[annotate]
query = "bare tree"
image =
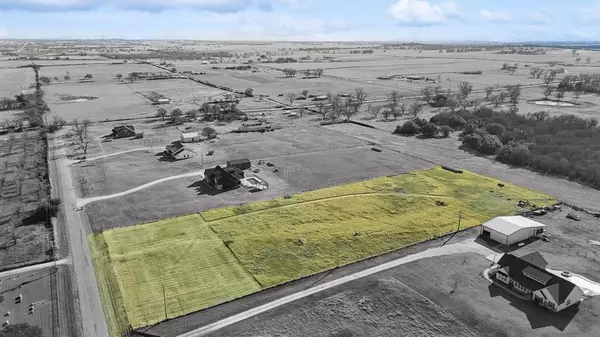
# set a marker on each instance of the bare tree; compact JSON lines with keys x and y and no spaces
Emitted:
{"x":400,"y":111}
{"x":438,"y":90}
{"x":578,"y":59}
{"x":394,"y":96}
{"x":323,"y":109}
{"x":549,"y":77}
{"x":533,"y":71}
{"x":559,"y":94}
{"x":588,"y":60}
{"x":330,"y":97}
{"x":349,"y":109}
{"x":374,"y":110}
{"x":489,"y":90}
{"x":548,"y":91}
{"x":360,"y":94}
{"x":386,"y":114}
{"x":176,"y":116}
{"x":415,"y":108}
{"x":162,"y":113}
{"x":495,"y":100}
{"x":465,"y":89}
{"x":576,"y":92}
{"x":426,"y":92}
{"x":80,"y":130}
{"x":451,"y":103}
{"x":502,"y":96}
{"x":291,"y":97}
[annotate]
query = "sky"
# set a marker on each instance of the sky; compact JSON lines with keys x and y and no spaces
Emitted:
{"x":302,"y":20}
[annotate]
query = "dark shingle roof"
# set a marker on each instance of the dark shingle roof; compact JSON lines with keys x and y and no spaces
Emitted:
{"x":536,"y":259}
{"x":558,"y":287}
{"x":537,"y":274}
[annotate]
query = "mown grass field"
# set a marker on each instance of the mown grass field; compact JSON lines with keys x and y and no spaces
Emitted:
{"x":221,"y":254}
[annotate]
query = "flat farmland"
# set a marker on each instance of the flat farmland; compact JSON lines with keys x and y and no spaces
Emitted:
{"x":322,"y":229}
{"x":14,"y":81}
{"x":100,"y":72}
{"x":180,"y":92}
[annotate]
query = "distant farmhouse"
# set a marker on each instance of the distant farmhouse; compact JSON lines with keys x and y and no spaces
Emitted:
{"x":527,"y":275}
{"x":242,"y":164}
{"x":177,"y":150}
{"x":123,"y":131}
{"x":509,"y":230}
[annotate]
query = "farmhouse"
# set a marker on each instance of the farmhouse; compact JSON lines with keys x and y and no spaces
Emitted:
{"x":163,"y":101}
{"x":223,"y":178}
{"x":190,"y":137}
{"x":242,"y":164}
{"x":511,"y":229}
{"x":528,"y":276}
{"x":123,"y":131}
{"x":177,"y":150}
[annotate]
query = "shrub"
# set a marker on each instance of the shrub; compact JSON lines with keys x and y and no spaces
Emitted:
{"x":472,"y":141}
{"x":408,"y":128}
{"x":442,"y":118}
{"x":490,"y":144}
{"x":457,"y":122}
{"x":495,"y":129}
{"x":445,"y":130}
{"x":420,"y":122}
{"x":515,"y":154}
{"x":470,"y":128}
{"x":430,"y":130}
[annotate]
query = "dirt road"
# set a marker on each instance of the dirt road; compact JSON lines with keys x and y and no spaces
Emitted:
{"x":93,"y":321}
{"x":456,"y":248}
{"x":34,"y":267}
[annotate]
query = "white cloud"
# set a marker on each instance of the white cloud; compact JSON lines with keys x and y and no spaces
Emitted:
{"x":422,"y":12}
{"x":143,"y":5}
{"x":591,"y":14}
{"x":3,"y":33}
{"x":494,"y":16}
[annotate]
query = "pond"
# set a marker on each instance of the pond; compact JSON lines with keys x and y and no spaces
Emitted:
{"x":553,"y":103}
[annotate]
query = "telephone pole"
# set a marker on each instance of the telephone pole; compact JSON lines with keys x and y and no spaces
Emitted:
{"x":459,"y":218}
{"x":165,"y":301}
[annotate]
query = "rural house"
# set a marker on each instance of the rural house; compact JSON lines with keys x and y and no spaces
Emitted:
{"x":190,"y":137}
{"x":123,"y":131}
{"x":509,"y":230}
{"x":223,"y":178}
{"x":242,"y":164}
{"x":528,"y":276}
{"x":177,"y":150}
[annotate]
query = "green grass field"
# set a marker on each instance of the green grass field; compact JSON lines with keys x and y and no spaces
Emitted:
{"x":221,"y":254}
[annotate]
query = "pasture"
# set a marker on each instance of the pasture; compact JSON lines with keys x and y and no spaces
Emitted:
{"x":282,"y":239}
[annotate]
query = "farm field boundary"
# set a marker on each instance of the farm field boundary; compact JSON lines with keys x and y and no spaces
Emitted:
{"x":222,"y":254}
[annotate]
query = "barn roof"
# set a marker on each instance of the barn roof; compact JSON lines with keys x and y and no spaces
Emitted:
{"x":508,"y":225}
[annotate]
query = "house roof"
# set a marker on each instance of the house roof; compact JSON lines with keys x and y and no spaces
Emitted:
{"x":123,"y":127}
{"x":189,"y":134}
{"x":238,"y":161}
{"x":174,"y":146}
{"x":508,"y":225}
{"x":536,"y":259}
{"x":516,"y":267}
{"x":231,"y":174}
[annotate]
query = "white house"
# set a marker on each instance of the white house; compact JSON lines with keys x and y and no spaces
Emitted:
{"x":190,"y":137}
{"x":163,"y":101}
{"x":177,"y":151}
{"x":509,"y":230}
{"x":527,"y":275}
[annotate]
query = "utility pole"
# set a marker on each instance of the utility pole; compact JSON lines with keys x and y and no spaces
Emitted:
{"x":459,"y":218}
{"x":165,"y":301}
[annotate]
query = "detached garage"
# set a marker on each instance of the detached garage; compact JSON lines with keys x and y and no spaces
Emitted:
{"x":509,"y":230}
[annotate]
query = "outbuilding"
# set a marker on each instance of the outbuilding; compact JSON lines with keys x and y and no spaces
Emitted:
{"x":242,"y":164}
{"x":509,"y":230}
{"x":190,"y":137}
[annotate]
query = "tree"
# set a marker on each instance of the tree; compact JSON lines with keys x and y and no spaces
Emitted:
{"x":578,"y":59}
{"x":394,"y":96}
{"x":548,"y":91}
{"x":490,"y":144}
{"x":88,"y":76}
{"x":119,"y":77}
{"x":495,"y":129}
{"x":173,"y":70}
{"x":374,"y":110}
{"x":56,"y":124}
{"x":430,"y":130}
{"x":176,"y":116}
{"x":323,"y":109}
{"x":248,"y":92}
{"x":415,"y":108}
{"x":502,"y":96}
{"x":192,"y":114}
{"x":21,"y":330}
{"x":465,"y":89}
{"x":45,"y":80}
{"x":80,"y":130}
{"x":559,"y":94}
{"x":514,"y":93}
{"x":132,"y":77}
{"x":549,"y":78}
{"x":304,"y":92}
{"x":319,"y":72}
{"x":399,"y":111}
{"x":489,"y":90}
{"x":576,"y":92}
{"x":451,"y":103}
{"x":533,"y":71}
{"x":588,"y":60}
{"x":360,"y":95}
{"x":408,"y":128}
{"x":472,"y":140}
{"x":427,"y":92}
{"x":349,"y":109}
{"x":438,"y":90}
{"x":291,"y":97}
{"x":386,"y":114}
{"x":209,"y":132}
{"x":445,"y":131}
{"x":162,"y":113}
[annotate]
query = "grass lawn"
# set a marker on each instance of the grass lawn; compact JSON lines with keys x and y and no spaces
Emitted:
{"x":283,"y":239}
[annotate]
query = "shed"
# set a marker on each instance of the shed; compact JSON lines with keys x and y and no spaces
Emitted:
{"x":509,"y":230}
{"x":190,"y":137}
{"x":163,"y":101}
{"x":242,"y":164}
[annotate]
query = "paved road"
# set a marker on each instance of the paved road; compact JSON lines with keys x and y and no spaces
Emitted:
{"x":456,"y":248}
{"x":84,"y":201}
{"x":34,"y":267}
{"x":93,"y":320}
